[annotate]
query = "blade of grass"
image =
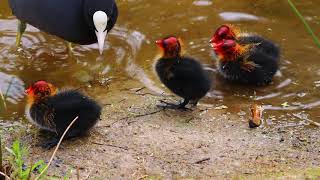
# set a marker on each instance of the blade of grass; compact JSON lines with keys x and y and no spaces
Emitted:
{"x":2,"y":101}
{"x":1,"y":167}
{"x":9,"y":86}
{"x":295,"y":10}
{"x":3,"y":176}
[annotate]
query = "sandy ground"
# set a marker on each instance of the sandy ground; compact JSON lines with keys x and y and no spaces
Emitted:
{"x":137,"y":140}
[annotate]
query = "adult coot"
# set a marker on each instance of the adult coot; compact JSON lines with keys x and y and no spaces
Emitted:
{"x":77,"y":21}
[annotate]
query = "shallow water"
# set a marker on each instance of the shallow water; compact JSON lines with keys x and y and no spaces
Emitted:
{"x":130,"y":53}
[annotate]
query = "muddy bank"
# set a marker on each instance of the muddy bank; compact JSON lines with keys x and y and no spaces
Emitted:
{"x":135,"y":139}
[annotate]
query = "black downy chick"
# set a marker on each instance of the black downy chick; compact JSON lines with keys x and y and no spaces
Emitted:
{"x":54,"y":111}
{"x":184,"y":76}
{"x":248,"y":59}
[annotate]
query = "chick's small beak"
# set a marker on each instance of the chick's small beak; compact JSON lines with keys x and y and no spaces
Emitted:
{"x":159,"y":43}
{"x":27,"y":91}
{"x":213,"y":44}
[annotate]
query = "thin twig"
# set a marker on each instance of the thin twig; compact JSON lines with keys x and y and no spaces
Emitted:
{"x":143,"y":177}
{"x":120,"y":147}
{"x":147,"y":93}
{"x":202,"y":160}
{"x":102,"y":144}
{"x":58,"y":145}
{"x":3,"y":174}
{"x":141,"y":115}
{"x":139,"y":89}
{"x":313,"y":122}
{"x":1,"y":167}
{"x":78,"y":173}
{"x":122,"y":100}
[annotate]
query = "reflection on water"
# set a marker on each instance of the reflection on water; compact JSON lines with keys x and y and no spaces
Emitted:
{"x":238,"y":16}
{"x":11,"y":87}
{"x":130,"y":52}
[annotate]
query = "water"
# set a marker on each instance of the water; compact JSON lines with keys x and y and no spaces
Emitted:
{"x":130,"y":52}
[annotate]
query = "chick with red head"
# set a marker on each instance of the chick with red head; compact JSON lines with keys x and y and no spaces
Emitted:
{"x":245,"y":58}
{"x":53,"y":111}
{"x":183,"y":75}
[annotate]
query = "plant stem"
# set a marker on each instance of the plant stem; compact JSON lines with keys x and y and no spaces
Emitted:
{"x":7,"y":91}
{"x":295,"y":10}
{"x":1,"y":167}
{"x":2,"y":101}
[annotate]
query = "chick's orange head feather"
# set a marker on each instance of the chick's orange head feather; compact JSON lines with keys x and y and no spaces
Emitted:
{"x":39,"y":90}
{"x":170,"y":46}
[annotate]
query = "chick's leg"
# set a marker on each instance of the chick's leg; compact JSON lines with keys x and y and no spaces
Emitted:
{"x":181,"y":106}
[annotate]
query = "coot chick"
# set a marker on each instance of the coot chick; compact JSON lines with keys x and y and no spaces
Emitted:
{"x":245,"y":58}
{"x":53,"y":111}
{"x":77,"y":21}
{"x":184,"y":76}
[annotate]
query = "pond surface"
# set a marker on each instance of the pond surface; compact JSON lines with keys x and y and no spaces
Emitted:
{"x":130,"y":52}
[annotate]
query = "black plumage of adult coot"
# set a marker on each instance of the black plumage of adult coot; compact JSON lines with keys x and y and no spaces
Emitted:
{"x":53,"y":111}
{"x":77,"y":21}
{"x":245,"y":58}
{"x":183,"y":75}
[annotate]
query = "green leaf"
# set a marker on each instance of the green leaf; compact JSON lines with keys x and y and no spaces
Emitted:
{"x":285,"y":104}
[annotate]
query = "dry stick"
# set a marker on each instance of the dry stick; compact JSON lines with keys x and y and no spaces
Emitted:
{"x":141,"y":115}
{"x":3,"y":174}
{"x":313,"y":122}
{"x":58,"y":145}
{"x":115,"y":146}
{"x":1,"y":167}
{"x":202,"y":160}
{"x":78,"y":173}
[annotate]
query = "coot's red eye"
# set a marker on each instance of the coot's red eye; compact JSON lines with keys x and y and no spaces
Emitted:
{"x":228,"y":44}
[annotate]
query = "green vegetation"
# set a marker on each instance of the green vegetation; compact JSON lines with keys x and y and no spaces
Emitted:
{"x":19,"y":168}
{"x":17,"y":164}
{"x":295,"y":10}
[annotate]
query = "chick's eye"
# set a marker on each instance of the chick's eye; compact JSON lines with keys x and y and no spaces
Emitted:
{"x":164,"y":44}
